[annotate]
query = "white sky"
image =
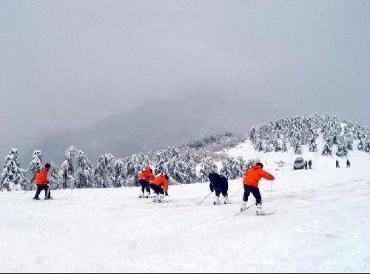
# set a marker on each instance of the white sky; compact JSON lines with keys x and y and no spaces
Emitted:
{"x":69,"y":63}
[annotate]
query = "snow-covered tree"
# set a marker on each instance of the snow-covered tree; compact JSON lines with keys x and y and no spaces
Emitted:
{"x":53,"y":176}
{"x":206,"y":167}
{"x":104,"y":171}
{"x":84,"y":171}
{"x":327,"y":151}
{"x":13,"y":176}
{"x":35,"y":166}
{"x":65,"y":176}
{"x":313,"y":146}
{"x":120,"y":174}
{"x":235,"y":168}
{"x":298,"y":149}
{"x":305,"y":130}
{"x":342,"y":151}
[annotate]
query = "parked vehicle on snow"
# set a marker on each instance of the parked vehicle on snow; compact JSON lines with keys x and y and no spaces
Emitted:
{"x":299,"y":163}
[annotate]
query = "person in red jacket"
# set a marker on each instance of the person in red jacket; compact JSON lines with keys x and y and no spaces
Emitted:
{"x":42,"y":182}
{"x":160,"y":187}
{"x":145,"y":177}
{"x":251,"y":181}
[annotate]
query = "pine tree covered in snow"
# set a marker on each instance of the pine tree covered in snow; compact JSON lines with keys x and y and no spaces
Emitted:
{"x":104,"y":171}
{"x":192,"y":163}
{"x":35,"y":166}
{"x":235,"y":168}
{"x":13,"y":176}
{"x":304,"y":131}
{"x":84,"y":171}
{"x":53,"y":176}
{"x":76,"y":170}
{"x":206,"y":167}
{"x":65,"y":176}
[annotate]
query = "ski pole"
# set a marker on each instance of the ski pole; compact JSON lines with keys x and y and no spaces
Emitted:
{"x":270,"y":191}
{"x":201,"y":202}
{"x":233,"y":194}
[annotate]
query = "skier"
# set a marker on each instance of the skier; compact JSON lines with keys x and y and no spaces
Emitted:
{"x":348,"y":164}
{"x":337,"y":164}
{"x":145,"y":177}
{"x":43,"y":183}
{"x":219,"y":184}
{"x":251,"y":180}
{"x":160,"y":187}
{"x":305,"y":164}
{"x":310,"y":164}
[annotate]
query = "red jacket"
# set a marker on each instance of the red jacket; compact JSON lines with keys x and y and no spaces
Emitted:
{"x":42,"y":177}
{"x":146,"y":174}
{"x":162,"y":181}
{"x":254,"y":175}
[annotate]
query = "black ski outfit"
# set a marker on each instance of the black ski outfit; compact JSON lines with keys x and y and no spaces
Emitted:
{"x":219,"y":184}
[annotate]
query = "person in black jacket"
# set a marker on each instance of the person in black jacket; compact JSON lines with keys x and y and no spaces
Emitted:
{"x":219,"y":184}
{"x":348,"y":164}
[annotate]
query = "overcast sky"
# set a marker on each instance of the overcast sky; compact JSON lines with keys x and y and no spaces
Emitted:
{"x":69,"y":63}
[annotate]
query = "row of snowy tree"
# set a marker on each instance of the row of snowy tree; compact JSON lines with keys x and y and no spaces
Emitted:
{"x":338,"y":137}
{"x":184,"y":165}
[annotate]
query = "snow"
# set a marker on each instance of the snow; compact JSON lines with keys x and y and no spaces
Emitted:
{"x":321,"y":225}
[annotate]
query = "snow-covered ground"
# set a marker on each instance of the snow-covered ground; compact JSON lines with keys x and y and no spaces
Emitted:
{"x":322,"y":224}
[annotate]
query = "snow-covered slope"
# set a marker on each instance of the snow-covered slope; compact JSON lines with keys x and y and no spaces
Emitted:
{"x":321,"y":224}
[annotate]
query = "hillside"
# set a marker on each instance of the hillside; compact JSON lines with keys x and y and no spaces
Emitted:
{"x":156,"y":125}
{"x":320,"y":225}
{"x":185,"y":164}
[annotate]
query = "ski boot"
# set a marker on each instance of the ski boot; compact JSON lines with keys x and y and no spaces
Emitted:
{"x":259,"y":211}
{"x":36,"y":198}
{"x":243,"y":207}
{"x":227,"y":200}
{"x":161,"y":198}
{"x":217,"y":201}
{"x":156,"y":199}
{"x":142,"y":195}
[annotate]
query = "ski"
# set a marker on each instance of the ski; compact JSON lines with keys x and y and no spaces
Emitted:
{"x":266,"y":213}
{"x":240,"y":212}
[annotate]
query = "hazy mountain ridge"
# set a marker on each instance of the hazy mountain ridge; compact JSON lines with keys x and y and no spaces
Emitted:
{"x":158,"y":124}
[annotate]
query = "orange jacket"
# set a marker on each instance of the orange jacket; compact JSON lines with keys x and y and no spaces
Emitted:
{"x":42,"y":177}
{"x":146,"y":174}
{"x":162,"y":181}
{"x":254,"y":175}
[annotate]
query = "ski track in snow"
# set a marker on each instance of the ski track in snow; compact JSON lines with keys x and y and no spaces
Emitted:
{"x":321,"y":225}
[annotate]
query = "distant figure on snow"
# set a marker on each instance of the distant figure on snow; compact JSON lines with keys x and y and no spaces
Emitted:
{"x":42,"y":183}
{"x":337,"y":164}
{"x":219,"y":184}
{"x":348,"y":164}
{"x":160,"y":187}
{"x":310,"y":164}
{"x":250,"y":181}
{"x":305,"y":164}
{"x":145,"y":178}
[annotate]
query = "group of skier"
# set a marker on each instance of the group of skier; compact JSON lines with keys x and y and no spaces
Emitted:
{"x":159,"y":184}
{"x":348,"y":164}
{"x":308,"y":164}
{"x":252,"y":177}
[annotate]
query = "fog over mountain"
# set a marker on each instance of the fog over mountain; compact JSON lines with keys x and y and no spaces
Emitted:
{"x":65,"y":65}
{"x":158,"y":124}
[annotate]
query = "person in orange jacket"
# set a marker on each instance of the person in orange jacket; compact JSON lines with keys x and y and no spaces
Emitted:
{"x":42,"y":182}
{"x":251,"y":181}
{"x":145,"y":177}
{"x":160,"y":187}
